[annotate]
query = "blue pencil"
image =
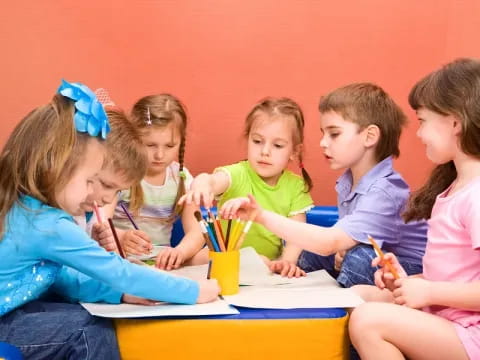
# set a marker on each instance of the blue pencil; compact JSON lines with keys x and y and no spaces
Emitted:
{"x":212,"y":238}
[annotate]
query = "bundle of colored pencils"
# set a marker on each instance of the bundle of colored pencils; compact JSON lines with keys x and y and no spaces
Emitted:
{"x":212,"y":232}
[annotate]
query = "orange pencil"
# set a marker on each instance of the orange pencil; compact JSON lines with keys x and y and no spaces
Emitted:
{"x":380,"y":253}
{"x":221,"y":243}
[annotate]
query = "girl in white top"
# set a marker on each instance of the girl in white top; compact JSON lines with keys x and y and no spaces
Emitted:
{"x":161,"y":120}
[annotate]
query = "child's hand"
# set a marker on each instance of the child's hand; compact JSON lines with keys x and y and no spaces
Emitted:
{"x":198,"y":197}
{"x":383,"y":277}
{"x":413,"y":292}
{"x":243,"y":207}
{"x":201,"y":192}
{"x":209,"y":291}
{"x":339,"y":259}
{"x":285,"y":268}
{"x":131,"y":299}
{"x":169,"y":258}
{"x":136,"y":242}
{"x":102,"y":234}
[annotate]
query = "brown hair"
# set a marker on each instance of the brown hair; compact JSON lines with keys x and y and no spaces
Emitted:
{"x":368,"y":104}
{"x":125,"y":151}
{"x":159,"y":111}
{"x":287,"y":108}
{"x":40,"y":168}
{"x":453,"y":90}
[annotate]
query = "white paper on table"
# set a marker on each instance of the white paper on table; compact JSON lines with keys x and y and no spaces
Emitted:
{"x":218,"y":307}
{"x":291,"y":298}
{"x":152,"y":254}
{"x":253,"y":271}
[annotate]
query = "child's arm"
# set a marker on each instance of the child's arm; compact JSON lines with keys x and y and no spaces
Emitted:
{"x":91,"y":274}
{"x":205,"y":187}
{"x":314,"y":238}
{"x":191,"y":243}
{"x":286,"y":265}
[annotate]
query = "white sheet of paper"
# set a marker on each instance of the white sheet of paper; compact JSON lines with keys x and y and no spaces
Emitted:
{"x":292,"y":298}
{"x":219,"y":307}
{"x":253,"y":271}
{"x":152,"y":255}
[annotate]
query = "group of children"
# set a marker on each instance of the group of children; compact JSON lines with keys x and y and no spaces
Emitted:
{"x":87,"y":156}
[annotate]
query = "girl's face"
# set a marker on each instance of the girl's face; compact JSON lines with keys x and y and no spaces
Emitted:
{"x":162,"y":147}
{"x":270,"y":146}
{"x":73,"y":196}
{"x":440,"y":135}
{"x":342,"y":142}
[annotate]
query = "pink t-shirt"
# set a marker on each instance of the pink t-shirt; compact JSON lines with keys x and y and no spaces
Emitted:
{"x":452,"y":252}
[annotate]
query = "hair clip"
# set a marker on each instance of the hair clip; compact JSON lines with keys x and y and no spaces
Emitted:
{"x":149,"y":120}
{"x":89,"y":116}
{"x":182,"y":174}
{"x":103,"y":97}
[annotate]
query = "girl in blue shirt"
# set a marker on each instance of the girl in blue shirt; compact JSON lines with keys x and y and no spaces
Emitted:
{"x":46,"y":172}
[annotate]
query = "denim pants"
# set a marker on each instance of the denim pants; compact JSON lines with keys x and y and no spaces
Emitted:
{"x":50,"y":330}
{"x":356,"y":267}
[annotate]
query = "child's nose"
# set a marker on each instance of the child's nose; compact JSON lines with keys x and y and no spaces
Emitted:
{"x":159,"y":154}
{"x":323,"y":142}
{"x":266,"y":149}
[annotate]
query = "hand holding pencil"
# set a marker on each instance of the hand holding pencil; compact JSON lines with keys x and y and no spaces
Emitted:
{"x":390,"y":270}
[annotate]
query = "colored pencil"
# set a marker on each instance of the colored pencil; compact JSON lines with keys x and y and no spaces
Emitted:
{"x":115,"y":236}
{"x":227,"y":237}
{"x":198,"y":216}
{"x":245,"y":230}
{"x":218,"y":234}
{"x":129,"y":216}
{"x":381,"y":255}
{"x":97,"y":212}
{"x":209,"y":272}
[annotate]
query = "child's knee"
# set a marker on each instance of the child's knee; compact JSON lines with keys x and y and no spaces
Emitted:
{"x":363,"y":320}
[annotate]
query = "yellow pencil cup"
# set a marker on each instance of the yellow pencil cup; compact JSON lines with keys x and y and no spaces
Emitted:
{"x":226,"y":269}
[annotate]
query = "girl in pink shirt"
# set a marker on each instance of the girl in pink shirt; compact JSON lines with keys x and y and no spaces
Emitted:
{"x":436,"y":315}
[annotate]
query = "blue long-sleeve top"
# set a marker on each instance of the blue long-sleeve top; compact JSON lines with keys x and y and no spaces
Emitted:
{"x":42,"y":248}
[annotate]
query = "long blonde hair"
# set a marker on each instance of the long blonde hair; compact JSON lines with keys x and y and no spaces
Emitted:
{"x":40,"y":155}
{"x":159,"y":111}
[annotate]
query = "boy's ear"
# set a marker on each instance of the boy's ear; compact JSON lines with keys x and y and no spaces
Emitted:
{"x":297,"y":149}
{"x":372,"y":135}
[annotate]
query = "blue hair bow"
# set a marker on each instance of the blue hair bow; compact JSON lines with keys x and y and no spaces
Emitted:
{"x":89,"y":115}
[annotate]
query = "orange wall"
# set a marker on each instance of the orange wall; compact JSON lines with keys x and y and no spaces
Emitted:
{"x":221,"y":56}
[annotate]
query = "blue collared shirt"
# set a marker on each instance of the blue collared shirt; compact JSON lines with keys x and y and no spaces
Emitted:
{"x":374,"y":207}
{"x":42,"y":248}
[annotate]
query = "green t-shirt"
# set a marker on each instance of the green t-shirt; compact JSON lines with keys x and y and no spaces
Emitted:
{"x":287,"y":198}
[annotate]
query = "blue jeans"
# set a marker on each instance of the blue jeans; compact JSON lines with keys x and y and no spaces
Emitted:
{"x":49,"y":330}
{"x":356,"y":267}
